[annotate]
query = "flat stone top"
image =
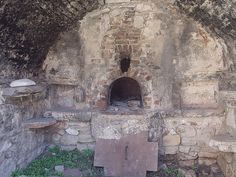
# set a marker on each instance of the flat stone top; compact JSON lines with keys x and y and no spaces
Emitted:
{"x":224,"y":143}
{"x":39,"y":123}
{"x":225,"y":138}
{"x":116,"y":1}
{"x":21,"y":91}
{"x":228,"y":95}
{"x":67,"y":114}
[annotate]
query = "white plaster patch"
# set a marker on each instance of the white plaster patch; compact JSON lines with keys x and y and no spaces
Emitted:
{"x":22,"y":83}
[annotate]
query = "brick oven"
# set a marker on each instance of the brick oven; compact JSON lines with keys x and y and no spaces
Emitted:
{"x":137,"y":66}
{"x":125,"y":68}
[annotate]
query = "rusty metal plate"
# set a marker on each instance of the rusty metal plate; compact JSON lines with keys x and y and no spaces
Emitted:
{"x":130,"y":156}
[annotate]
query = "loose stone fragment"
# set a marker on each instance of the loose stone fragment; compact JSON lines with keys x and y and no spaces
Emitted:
{"x":59,"y":168}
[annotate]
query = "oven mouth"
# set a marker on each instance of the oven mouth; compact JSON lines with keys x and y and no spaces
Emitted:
{"x":125,"y":92}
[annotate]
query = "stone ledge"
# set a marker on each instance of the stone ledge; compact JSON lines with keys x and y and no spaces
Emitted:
{"x":19,"y":92}
{"x":63,"y":82}
{"x":228,"y":95}
{"x":116,"y":1}
{"x":61,"y":115}
{"x":206,"y":112}
{"x":193,"y":113}
{"x":39,"y":123}
{"x":224,"y":143}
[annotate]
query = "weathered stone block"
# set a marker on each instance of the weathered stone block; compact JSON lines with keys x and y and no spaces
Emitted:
{"x":38,"y":123}
{"x":184,"y":149}
{"x":85,"y":138}
{"x":186,"y":131}
{"x":69,"y":139}
{"x":171,"y":150}
{"x":188,"y":141}
{"x":187,"y":163}
{"x":56,"y":138}
{"x":206,"y":161}
{"x":114,"y":126}
{"x":225,"y":166}
{"x":183,"y":156}
{"x":59,"y":168}
{"x":171,"y":140}
{"x":209,"y":155}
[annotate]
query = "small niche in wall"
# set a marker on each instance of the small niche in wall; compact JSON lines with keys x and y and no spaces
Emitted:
{"x":126,"y":92}
{"x":125,"y":64}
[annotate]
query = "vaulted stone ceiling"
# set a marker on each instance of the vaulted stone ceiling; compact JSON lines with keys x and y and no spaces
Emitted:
{"x":28,"y":28}
{"x":219,"y":15}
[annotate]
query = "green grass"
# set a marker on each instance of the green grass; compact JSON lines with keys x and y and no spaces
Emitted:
{"x":172,"y":172}
{"x":168,"y":172}
{"x":44,"y":166}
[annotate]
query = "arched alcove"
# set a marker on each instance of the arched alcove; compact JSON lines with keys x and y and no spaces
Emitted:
{"x":124,"y":90}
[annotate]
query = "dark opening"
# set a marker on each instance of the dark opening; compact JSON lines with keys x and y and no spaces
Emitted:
{"x":125,"y":64}
{"x":125,"y":91}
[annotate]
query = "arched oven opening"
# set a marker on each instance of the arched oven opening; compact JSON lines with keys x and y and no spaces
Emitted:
{"x":125,"y":92}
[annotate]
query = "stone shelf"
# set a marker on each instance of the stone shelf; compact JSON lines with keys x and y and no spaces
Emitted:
{"x":18,"y":92}
{"x":68,"y":114}
{"x":224,"y":143}
{"x":65,"y":82}
{"x":38,"y":123}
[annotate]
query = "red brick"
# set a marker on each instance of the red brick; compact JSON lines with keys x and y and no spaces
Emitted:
{"x":101,"y":104}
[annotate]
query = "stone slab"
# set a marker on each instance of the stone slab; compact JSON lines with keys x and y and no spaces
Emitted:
{"x":39,"y":123}
{"x":228,"y":95}
{"x":81,"y":115}
{"x":129,"y":156}
{"x":116,"y":1}
{"x":22,"y":91}
{"x":224,"y":143}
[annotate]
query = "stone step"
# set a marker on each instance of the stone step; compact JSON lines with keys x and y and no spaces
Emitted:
{"x":224,"y":143}
{"x":38,"y":123}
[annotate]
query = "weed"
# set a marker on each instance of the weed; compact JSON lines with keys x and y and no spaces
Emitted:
{"x":44,"y":166}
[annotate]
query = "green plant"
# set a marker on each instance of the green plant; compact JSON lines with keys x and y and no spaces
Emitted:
{"x":172,"y":172}
{"x":44,"y":166}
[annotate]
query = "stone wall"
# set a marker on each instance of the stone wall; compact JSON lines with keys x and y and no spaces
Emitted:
{"x":18,"y":145}
{"x":188,"y":136}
